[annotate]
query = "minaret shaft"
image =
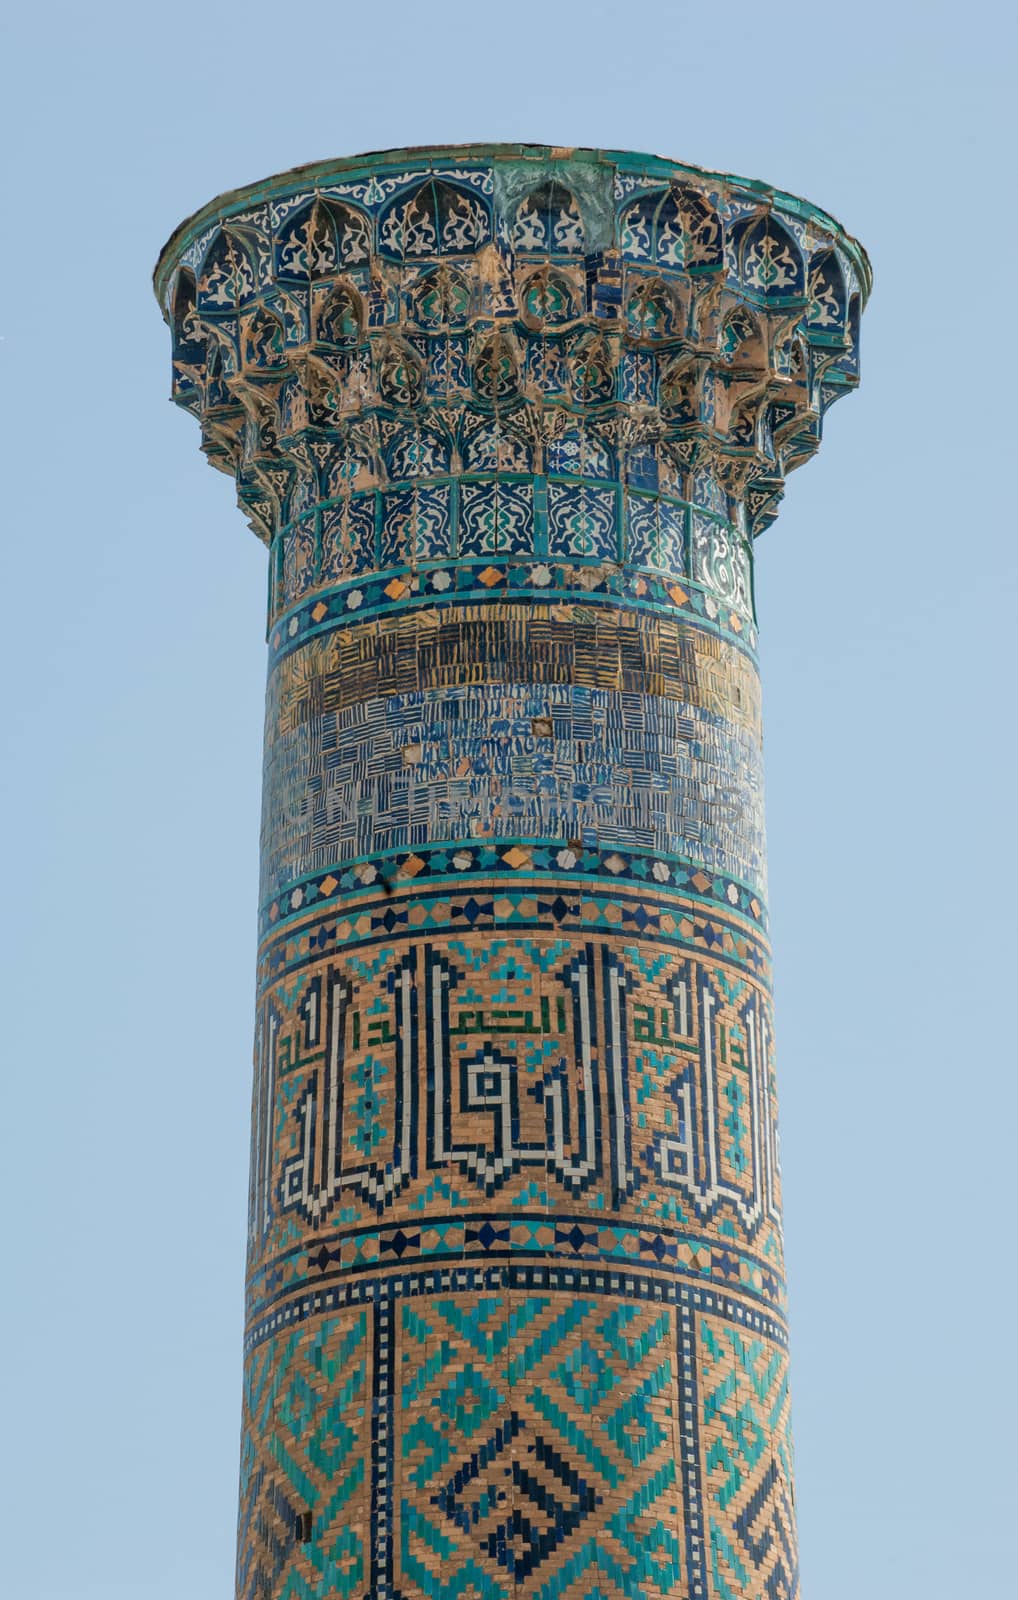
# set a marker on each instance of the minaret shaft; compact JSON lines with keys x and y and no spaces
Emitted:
{"x":508,"y":420}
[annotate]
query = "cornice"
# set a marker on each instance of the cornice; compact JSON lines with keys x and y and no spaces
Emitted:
{"x":356,"y":331}
{"x":313,"y":174}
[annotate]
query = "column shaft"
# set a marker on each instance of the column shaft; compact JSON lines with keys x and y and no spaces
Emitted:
{"x":508,"y":420}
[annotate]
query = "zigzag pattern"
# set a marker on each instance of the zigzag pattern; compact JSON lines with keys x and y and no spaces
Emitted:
{"x":305,"y":1464}
{"x":747,"y":1465}
{"x":537,"y":1449}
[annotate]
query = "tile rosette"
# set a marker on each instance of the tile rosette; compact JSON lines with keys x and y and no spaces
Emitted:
{"x":508,"y":420}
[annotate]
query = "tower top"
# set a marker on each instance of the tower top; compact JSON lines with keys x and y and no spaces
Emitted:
{"x":313,"y":175}
{"x":532,"y":289}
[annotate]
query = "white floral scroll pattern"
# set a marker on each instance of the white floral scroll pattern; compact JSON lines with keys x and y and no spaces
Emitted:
{"x":417,"y":452}
{"x":321,"y":240}
{"x":548,"y":222}
{"x":627,"y":183}
{"x":638,"y":369}
{"x":227,"y":277}
{"x":708,"y":492}
{"x":487,"y":447}
{"x":720,"y":561}
{"x":656,"y":534}
{"x":448,"y":368}
{"x":580,"y":453}
{"x":545,"y":367}
{"x":434,"y":218}
{"x":641,"y":530}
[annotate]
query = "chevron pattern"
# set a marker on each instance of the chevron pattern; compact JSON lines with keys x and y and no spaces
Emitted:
{"x":747,"y":1465}
{"x":305,"y":1464}
{"x":538,"y":1449}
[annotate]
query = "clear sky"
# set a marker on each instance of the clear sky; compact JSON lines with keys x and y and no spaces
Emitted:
{"x":131,"y":733}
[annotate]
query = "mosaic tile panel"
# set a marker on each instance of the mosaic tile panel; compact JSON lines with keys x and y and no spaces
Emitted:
{"x":746,"y":1455}
{"x":306,"y":1473}
{"x":624,"y":1081}
{"x":628,"y":736}
{"x":508,"y":420}
{"x":537,"y":1446}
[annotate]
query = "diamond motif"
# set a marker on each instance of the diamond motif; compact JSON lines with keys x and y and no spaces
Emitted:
{"x":505,"y":1501}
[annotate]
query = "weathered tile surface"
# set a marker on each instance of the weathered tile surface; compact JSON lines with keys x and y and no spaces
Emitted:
{"x":508,"y":420}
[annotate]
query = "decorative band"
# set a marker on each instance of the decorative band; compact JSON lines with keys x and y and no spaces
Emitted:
{"x":557,"y":906}
{"x":548,"y":583}
{"x":661,"y":1288}
{"x":499,"y":1237}
{"x":461,"y":861}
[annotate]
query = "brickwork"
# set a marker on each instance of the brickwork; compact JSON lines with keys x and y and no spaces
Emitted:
{"x":508,"y":420}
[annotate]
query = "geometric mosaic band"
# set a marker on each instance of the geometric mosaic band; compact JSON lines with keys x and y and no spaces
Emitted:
{"x":666,"y":1289}
{"x":579,"y":1097}
{"x":499,"y":722}
{"x":668,"y":1408}
{"x":482,"y":907}
{"x":547,"y":760}
{"x":606,"y":1375}
{"x":522,"y":1078}
{"x":524,"y":859}
{"x":594,"y":585}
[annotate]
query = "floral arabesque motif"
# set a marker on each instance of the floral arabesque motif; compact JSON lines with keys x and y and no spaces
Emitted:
{"x":548,"y":222}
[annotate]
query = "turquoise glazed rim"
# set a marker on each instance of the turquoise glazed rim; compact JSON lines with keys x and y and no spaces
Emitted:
{"x":377,"y":161}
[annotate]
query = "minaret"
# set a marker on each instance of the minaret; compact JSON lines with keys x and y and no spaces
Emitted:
{"x":508,"y":420}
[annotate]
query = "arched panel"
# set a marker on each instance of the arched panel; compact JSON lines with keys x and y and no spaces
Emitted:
{"x":679,"y":399}
{"x":496,"y":368}
{"x":651,"y":310}
{"x":768,"y":262}
{"x":435,"y":218}
{"x":217,"y":369}
{"x":548,"y":222}
{"x":828,"y":299}
{"x":262,"y":339}
{"x":849,"y":362}
{"x":320,"y":240}
{"x":592,"y":370}
{"x":675,"y":227}
{"x":188,"y":339}
{"x":548,"y":299}
{"x":400,"y":374}
{"x":439,"y":299}
{"x":702,"y":229}
{"x":228,"y":277}
{"x":742,"y":342}
{"x":341,"y":316}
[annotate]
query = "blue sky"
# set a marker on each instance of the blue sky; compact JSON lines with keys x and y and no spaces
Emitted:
{"x":131,"y":745}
